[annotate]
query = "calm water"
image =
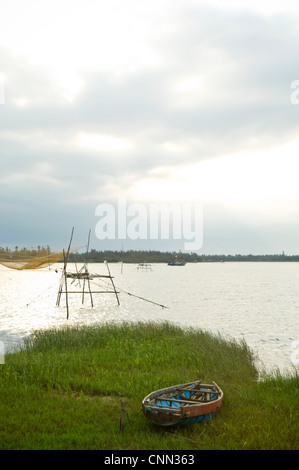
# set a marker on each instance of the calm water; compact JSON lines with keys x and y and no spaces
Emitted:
{"x":255,"y":301}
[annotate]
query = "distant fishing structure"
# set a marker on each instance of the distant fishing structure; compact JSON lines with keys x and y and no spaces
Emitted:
{"x":84,"y":275}
{"x":144,"y":267}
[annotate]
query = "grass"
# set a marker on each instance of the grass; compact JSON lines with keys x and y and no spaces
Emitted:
{"x":63,"y":390}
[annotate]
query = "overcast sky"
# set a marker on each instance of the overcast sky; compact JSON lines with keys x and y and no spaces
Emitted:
{"x":173,"y":101}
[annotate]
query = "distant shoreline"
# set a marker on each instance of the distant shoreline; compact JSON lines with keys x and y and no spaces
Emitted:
{"x":133,"y":256}
{"x":141,"y":256}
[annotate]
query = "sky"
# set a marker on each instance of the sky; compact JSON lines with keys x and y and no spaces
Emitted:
{"x":183,"y":103}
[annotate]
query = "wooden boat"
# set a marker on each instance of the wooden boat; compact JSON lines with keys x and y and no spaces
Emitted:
{"x":182,"y":404}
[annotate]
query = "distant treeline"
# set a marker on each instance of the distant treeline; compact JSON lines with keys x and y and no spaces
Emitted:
{"x":24,"y":252}
{"x":133,"y":256}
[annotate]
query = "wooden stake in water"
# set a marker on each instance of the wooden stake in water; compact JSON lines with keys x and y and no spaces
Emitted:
{"x":122,"y":416}
{"x":111,"y":278}
{"x":65,"y":284}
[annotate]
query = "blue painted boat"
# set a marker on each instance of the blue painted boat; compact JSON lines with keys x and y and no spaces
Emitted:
{"x":177,"y":263}
{"x":188,"y":403}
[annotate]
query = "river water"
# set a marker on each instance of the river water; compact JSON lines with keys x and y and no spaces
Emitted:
{"x":258,"y":302}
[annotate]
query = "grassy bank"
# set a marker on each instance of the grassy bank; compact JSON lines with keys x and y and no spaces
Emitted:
{"x":64,"y":390}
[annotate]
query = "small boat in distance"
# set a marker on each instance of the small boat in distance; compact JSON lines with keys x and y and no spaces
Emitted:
{"x":182,"y":404}
{"x":176,"y":262}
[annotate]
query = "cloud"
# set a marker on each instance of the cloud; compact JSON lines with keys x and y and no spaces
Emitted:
{"x":133,"y":97}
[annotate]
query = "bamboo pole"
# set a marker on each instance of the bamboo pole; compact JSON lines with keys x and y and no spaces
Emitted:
{"x":65,"y":281}
{"x":83,"y":291}
{"x":111,"y":278}
{"x":64,"y":275}
{"x":59,"y":292}
{"x":66,"y":257}
{"x":90,"y":293}
{"x":86,"y":272}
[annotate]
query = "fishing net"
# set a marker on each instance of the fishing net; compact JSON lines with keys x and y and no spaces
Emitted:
{"x":16,"y":261}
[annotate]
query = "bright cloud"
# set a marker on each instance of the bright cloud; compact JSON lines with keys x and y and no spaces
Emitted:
{"x":103,"y":142}
{"x":238,"y":180}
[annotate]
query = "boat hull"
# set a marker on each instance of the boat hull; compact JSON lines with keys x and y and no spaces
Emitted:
{"x":177,"y":263}
{"x":182,"y":404}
